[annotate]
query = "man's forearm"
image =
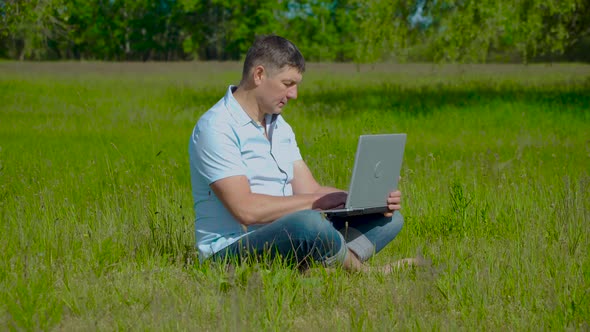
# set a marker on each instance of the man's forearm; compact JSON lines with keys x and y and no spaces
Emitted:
{"x":327,"y":190}
{"x":262,"y":209}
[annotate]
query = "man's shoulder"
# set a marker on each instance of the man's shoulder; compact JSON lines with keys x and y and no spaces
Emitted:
{"x":217,"y":112}
{"x":217,"y":117}
{"x":283,"y":124}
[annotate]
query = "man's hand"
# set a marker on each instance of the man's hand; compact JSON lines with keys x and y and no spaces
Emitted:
{"x":329,"y":201}
{"x":394,"y":201}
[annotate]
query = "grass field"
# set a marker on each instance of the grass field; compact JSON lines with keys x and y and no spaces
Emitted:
{"x":96,"y":227}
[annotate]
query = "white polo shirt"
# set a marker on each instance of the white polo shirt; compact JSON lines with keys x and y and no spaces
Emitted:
{"x":227,"y":142}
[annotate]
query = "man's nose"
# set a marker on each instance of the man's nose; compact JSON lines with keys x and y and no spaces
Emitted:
{"x":292,"y":92}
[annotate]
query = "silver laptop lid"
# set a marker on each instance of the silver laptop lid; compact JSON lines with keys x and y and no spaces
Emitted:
{"x":377,"y":167}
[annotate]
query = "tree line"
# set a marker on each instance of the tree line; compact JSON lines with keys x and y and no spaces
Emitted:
{"x":336,"y":30}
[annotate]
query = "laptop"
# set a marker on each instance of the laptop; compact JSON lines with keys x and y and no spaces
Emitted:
{"x":377,"y":166}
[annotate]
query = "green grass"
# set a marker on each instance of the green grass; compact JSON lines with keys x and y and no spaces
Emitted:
{"x":96,"y":214}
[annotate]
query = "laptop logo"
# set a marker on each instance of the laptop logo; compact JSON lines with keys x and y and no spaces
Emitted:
{"x":378,"y":171}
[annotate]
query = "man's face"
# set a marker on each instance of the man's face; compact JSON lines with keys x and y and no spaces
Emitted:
{"x":276,"y":88}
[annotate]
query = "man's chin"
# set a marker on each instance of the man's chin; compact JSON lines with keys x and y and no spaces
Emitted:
{"x":275,"y":111}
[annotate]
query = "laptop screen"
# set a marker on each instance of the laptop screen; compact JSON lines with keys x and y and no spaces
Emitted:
{"x":376,"y":171}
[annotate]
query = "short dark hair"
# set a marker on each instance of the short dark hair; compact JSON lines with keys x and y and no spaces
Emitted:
{"x":274,"y":53}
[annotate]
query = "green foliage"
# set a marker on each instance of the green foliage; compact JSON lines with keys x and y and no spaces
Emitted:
{"x":341,"y":30}
{"x":31,"y":24}
{"x":468,"y":31}
{"x":172,"y":30}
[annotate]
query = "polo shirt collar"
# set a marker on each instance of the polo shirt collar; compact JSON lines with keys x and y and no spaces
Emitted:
{"x":237,"y":112}
{"x":235,"y":109}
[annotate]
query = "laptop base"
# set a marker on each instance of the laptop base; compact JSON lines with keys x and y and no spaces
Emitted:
{"x":340,"y":213}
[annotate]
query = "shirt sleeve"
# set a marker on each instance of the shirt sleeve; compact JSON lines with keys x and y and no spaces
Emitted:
{"x":293,"y":148}
{"x":217,"y":152}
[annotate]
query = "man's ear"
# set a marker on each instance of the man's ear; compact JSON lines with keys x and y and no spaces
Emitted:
{"x":258,"y":74}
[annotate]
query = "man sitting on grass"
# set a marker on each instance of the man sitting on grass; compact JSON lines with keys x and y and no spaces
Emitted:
{"x":253,"y":193}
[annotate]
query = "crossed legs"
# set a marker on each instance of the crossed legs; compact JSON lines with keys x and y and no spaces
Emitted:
{"x":306,"y":236}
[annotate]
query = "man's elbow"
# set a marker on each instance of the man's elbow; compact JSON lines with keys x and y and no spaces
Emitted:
{"x":246,"y":218}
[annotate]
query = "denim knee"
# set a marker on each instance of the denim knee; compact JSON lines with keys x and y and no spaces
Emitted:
{"x":310,"y":220}
{"x":309,"y":224}
{"x":368,"y":235}
{"x":398,"y":220}
{"x":315,"y":235}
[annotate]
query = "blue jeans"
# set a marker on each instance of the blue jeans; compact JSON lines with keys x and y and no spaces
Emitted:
{"x":307,"y":235}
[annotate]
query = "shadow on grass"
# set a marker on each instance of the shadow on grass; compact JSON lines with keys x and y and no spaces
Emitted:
{"x":345,"y":101}
{"x":573,"y":98}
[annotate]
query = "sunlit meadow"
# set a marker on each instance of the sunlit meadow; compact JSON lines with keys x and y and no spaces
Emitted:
{"x":96,"y":219}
